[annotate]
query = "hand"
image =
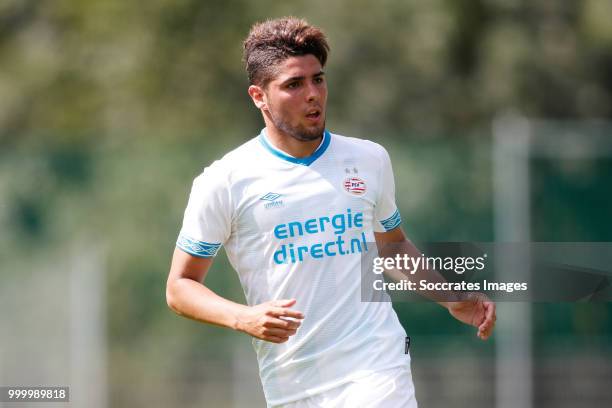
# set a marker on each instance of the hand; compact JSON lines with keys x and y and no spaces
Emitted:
{"x":477,"y":310}
{"x":272,"y":321}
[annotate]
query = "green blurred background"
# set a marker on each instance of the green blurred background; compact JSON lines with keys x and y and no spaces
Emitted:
{"x":109,"y":109}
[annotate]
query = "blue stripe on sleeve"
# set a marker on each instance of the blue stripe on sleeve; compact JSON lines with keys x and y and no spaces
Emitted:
{"x":392,"y":222}
{"x":197,"y":248}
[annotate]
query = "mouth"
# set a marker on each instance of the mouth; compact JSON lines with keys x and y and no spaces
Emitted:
{"x":313,"y":114}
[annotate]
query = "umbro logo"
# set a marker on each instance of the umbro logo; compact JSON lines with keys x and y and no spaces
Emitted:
{"x":270,"y":197}
{"x":273,"y":200}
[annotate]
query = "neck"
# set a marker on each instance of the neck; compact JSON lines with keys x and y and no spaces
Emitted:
{"x":291,"y":145}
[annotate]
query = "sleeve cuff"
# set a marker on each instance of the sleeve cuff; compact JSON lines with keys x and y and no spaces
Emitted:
{"x":392,"y":222}
{"x":197,"y":248}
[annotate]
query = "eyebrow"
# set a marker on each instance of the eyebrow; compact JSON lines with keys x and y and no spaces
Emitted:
{"x":298,"y":78}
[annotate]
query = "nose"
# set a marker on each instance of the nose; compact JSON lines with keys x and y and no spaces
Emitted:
{"x":313,"y":93}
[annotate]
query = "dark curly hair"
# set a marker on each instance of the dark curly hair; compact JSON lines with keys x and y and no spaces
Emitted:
{"x":271,"y":42}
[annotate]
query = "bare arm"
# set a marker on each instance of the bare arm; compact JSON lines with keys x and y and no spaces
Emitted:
{"x":272,"y":321}
{"x":395,"y":242}
{"x":476,"y":310}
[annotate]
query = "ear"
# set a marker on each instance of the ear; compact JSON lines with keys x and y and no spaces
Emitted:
{"x":258,"y":96}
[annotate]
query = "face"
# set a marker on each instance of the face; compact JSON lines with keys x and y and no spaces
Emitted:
{"x":294,"y":101}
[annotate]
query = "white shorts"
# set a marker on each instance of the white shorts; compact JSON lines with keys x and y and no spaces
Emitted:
{"x":391,"y":388}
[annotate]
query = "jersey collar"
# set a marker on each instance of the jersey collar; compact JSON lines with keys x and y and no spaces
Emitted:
{"x":304,"y":161}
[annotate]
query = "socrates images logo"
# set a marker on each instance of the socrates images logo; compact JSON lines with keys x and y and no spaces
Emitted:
{"x":272,"y":200}
{"x":355,"y":185}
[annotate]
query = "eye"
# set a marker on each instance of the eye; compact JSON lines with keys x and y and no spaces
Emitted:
{"x":318,"y":80}
{"x":293,"y":85}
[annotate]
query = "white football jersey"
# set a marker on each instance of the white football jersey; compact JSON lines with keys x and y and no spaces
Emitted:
{"x":297,"y":228}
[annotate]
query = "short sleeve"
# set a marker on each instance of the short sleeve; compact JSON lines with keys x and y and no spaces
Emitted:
{"x":207,"y":219}
{"x":387,"y":216}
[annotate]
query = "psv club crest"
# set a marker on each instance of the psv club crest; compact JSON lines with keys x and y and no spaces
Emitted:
{"x":355,"y":185}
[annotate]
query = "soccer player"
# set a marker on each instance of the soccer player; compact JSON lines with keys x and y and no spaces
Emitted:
{"x":296,"y":208}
